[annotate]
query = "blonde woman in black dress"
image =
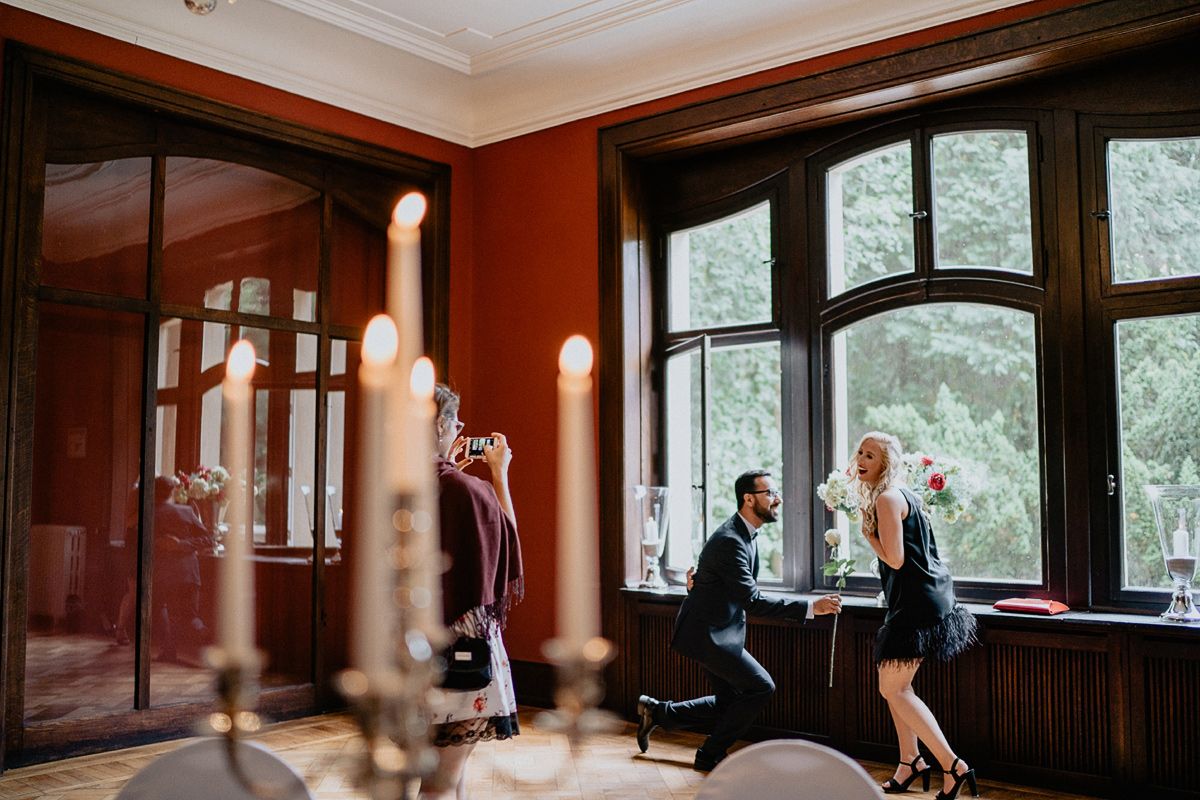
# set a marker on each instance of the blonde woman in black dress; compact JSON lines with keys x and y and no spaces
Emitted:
{"x":923,"y":620}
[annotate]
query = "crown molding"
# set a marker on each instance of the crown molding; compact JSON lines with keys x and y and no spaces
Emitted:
{"x":492,"y":127}
{"x":520,"y":88}
{"x":382,"y":30}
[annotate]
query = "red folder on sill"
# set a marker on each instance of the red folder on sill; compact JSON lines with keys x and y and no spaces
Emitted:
{"x":1030,"y":605}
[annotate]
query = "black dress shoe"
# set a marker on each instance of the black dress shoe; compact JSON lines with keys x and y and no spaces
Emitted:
{"x":705,"y":762}
{"x":646,"y":723}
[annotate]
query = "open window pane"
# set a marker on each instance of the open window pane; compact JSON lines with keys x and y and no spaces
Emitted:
{"x":957,"y":381}
{"x":1154,"y":197}
{"x":1158,"y":360}
{"x":870,"y":233}
{"x":746,"y":432}
{"x":684,"y":420}
{"x":981,"y":200}
{"x":720,"y":273}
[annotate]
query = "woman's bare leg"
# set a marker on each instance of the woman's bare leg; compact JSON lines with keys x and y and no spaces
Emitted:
{"x":448,"y":781}
{"x":906,"y":737}
{"x":895,"y":684}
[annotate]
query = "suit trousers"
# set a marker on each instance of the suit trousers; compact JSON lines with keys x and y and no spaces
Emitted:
{"x":741,"y":689}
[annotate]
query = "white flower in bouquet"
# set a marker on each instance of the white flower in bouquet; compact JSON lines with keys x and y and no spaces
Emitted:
{"x":835,"y":491}
{"x":203,"y":483}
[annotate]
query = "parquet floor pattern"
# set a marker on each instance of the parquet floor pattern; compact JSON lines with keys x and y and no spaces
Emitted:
{"x":535,"y":764}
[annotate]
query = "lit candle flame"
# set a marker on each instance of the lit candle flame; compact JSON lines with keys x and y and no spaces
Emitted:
{"x":410,"y":210}
{"x":575,"y":359}
{"x":422,"y":378}
{"x":380,"y":341}
{"x":240,"y":364}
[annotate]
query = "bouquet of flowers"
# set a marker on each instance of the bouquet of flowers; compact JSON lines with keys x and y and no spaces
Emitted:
{"x":202,"y":483}
{"x":835,"y":491}
{"x":841,"y":567}
{"x":944,"y":485}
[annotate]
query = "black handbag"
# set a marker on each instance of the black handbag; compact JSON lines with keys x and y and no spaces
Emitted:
{"x":468,"y":664}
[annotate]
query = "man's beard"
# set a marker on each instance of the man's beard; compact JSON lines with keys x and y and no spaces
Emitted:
{"x":768,"y":514}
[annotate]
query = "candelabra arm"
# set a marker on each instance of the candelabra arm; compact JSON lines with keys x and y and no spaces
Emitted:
{"x":237,"y":693}
{"x":579,"y":689}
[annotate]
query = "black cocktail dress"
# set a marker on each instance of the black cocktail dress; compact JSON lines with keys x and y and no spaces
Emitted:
{"x":923,"y":620}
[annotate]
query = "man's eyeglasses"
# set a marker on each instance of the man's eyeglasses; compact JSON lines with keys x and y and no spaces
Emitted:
{"x":770,"y":493}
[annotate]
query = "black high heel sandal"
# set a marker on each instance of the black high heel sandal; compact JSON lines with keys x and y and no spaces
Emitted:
{"x":967,"y":777}
{"x":893,"y":786}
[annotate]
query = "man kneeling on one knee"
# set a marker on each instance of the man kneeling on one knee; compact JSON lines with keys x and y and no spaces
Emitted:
{"x":711,"y":628}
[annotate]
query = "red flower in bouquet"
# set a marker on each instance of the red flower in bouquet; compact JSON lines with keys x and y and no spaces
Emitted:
{"x":926,"y":461}
{"x":937,"y":481}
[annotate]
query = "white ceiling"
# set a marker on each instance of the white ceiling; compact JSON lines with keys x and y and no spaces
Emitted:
{"x":479,"y":71}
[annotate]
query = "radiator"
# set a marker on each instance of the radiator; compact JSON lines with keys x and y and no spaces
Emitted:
{"x":56,"y":555}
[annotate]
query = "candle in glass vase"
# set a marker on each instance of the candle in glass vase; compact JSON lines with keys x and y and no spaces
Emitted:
{"x":1180,"y":537}
{"x":578,"y":557}
{"x":373,"y":606}
{"x":236,"y":616}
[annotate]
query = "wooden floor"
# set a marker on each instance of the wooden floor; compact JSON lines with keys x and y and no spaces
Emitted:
{"x":535,"y":764}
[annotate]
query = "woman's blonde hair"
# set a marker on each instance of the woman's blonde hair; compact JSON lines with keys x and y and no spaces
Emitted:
{"x":892,"y":456}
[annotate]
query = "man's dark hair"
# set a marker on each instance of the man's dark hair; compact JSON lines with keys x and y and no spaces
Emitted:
{"x":164,"y":487}
{"x":745,"y":483}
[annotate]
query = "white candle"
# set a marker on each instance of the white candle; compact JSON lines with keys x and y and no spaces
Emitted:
{"x":651,"y":530}
{"x":373,"y":605}
{"x":1180,"y":537}
{"x":426,"y":595}
{"x":237,"y":610}
{"x":578,"y":557}
{"x":404,"y":307}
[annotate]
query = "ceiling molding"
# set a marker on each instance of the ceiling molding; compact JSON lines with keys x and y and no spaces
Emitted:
{"x":382,"y":29}
{"x":556,"y":74}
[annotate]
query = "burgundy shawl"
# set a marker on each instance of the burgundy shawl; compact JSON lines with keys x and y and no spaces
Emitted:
{"x":485,"y":554}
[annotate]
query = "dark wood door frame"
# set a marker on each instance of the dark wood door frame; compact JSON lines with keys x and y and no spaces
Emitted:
{"x":28,"y":74}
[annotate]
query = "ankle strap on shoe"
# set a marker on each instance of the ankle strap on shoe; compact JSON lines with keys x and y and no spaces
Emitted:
{"x":951,"y":770}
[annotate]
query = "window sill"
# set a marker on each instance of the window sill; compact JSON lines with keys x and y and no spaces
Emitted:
{"x":864,"y":606}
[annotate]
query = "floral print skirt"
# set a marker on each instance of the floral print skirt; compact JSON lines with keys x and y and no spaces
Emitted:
{"x":479,"y":714}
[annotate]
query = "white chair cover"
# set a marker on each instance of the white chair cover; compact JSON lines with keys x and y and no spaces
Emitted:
{"x":201,"y":771}
{"x":788,"y":768}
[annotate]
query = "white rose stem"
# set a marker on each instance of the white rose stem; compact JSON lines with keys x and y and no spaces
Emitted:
{"x":833,"y":648}
{"x":578,"y":568}
{"x":373,"y":652}
{"x":237,"y":610}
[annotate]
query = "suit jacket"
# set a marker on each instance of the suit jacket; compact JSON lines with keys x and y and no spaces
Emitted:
{"x":178,"y":534}
{"x":725,"y":588}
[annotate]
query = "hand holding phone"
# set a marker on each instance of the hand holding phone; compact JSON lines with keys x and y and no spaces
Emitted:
{"x":476,"y":444}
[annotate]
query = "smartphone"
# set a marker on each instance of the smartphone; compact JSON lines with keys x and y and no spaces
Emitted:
{"x":476,"y":444}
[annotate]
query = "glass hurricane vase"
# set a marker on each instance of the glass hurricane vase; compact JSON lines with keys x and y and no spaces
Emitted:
{"x":650,"y":515}
{"x":1177,"y":515}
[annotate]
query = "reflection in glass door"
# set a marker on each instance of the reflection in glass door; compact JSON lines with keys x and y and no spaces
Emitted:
{"x":79,"y":658}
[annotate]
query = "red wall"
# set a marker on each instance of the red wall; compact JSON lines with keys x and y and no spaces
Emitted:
{"x":524,"y":251}
{"x":536,"y":242}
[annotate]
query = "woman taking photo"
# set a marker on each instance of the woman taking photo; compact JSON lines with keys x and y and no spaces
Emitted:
{"x":923,"y":620}
{"x":479,"y":534}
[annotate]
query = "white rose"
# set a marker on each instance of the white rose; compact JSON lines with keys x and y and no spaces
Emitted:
{"x":833,"y":537}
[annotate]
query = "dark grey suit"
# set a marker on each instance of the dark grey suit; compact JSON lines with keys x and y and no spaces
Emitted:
{"x":711,"y":628}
